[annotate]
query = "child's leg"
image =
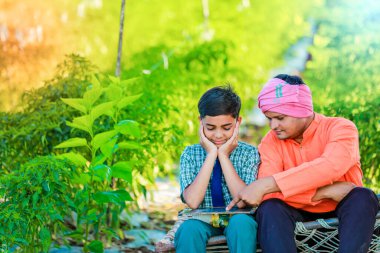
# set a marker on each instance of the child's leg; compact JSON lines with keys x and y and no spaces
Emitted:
{"x":192,"y":236}
{"x":241,"y":234}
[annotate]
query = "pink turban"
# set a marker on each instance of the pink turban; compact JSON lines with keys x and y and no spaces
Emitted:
{"x":281,"y":97}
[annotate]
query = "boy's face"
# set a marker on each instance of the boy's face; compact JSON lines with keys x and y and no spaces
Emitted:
{"x":219,"y":129}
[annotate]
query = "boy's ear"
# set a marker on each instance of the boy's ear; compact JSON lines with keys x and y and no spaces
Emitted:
{"x":200,"y":119}
{"x":239,"y":120}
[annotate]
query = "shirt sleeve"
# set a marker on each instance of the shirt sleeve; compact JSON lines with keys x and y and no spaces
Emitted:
{"x":340,"y":154}
{"x":187,"y":172}
{"x":250,"y":165}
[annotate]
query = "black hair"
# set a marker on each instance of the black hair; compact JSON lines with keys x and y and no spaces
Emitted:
{"x":293,"y":80}
{"x":220,"y":100}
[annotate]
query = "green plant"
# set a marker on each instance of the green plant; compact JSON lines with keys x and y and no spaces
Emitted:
{"x":104,"y":177}
{"x":35,"y":203}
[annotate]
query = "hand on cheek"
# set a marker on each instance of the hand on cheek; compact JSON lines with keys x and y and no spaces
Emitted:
{"x":231,"y":144}
{"x":206,"y":143}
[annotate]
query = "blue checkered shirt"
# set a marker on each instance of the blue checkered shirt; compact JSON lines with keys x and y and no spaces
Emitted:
{"x":245,"y":159}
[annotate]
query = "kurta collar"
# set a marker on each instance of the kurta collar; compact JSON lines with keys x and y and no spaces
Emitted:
{"x":310,"y":131}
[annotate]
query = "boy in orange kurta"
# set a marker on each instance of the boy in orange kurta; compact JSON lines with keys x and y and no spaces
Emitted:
{"x":310,"y":169}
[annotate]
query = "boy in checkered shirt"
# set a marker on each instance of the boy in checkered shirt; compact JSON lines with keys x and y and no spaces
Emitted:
{"x":214,"y":171}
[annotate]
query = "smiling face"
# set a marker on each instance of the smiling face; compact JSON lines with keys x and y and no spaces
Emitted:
{"x":287,"y":127}
{"x":219,"y":129}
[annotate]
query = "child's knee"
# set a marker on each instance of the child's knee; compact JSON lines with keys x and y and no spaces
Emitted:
{"x":191,"y":230}
{"x":242,"y":222}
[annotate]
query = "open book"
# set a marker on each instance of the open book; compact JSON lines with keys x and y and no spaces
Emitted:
{"x":217,"y":216}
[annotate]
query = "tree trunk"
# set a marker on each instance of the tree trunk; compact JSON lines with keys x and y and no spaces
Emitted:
{"x":119,"y":50}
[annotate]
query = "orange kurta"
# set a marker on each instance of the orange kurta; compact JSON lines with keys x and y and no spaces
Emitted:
{"x":329,"y":152}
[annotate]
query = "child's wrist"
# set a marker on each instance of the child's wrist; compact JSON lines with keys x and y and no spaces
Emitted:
{"x":213,"y":154}
{"x":222,"y":156}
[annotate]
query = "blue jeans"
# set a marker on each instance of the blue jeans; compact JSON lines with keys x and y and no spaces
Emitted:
{"x":356,"y":214}
{"x":192,"y":235}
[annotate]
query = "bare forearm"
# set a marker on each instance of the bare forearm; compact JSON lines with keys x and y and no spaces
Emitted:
{"x":253,"y":194}
{"x":195,"y":192}
{"x":269,"y":185}
{"x":336,"y":191}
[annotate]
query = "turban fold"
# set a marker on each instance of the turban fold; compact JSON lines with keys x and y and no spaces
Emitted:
{"x":281,"y":97}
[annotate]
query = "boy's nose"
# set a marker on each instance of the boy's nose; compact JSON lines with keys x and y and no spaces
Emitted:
{"x":218,"y":134}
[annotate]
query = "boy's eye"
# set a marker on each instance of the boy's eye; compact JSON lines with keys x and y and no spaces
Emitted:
{"x":280,"y":118}
{"x":210,"y":129}
{"x":227,"y":128}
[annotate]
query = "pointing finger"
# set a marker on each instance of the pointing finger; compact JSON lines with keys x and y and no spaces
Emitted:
{"x":233,"y":203}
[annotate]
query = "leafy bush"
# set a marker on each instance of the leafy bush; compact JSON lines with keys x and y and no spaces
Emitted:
{"x":41,"y":123}
{"x":35,"y":203}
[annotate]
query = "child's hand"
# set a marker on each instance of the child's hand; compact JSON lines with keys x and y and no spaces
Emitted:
{"x":206,"y":143}
{"x":231,"y":144}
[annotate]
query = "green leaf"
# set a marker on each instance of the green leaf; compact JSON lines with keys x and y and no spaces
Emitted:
{"x":76,"y":103}
{"x":115,"y":80}
{"x":84,"y":122}
{"x":91,"y":95}
{"x":75,"y":158}
{"x":91,"y":215}
{"x":102,"y":109}
{"x":56,"y":217}
{"x":127,"y":101}
{"x":102,"y":138}
{"x":95,"y":247}
{"x":102,"y":171}
{"x":109,"y":147}
{"x":82,"y":178}
{"x":73,"y":125}
{"x":45,"y":238}
{"x":35,"y":198}
{"x":95,"y":82}
{"x":114,"y":92}
{"x":98,"y":160}
{"x":73,"y":142}
{"x":45,"y":186}
{"x":112,"y":233}
{"x":122,"y":170}
{"x":116,"y":197}
{"x":76,"y":234}
{"x":128,"y":127}
{"x":129,"y":81}
{"x":129,"y":145}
